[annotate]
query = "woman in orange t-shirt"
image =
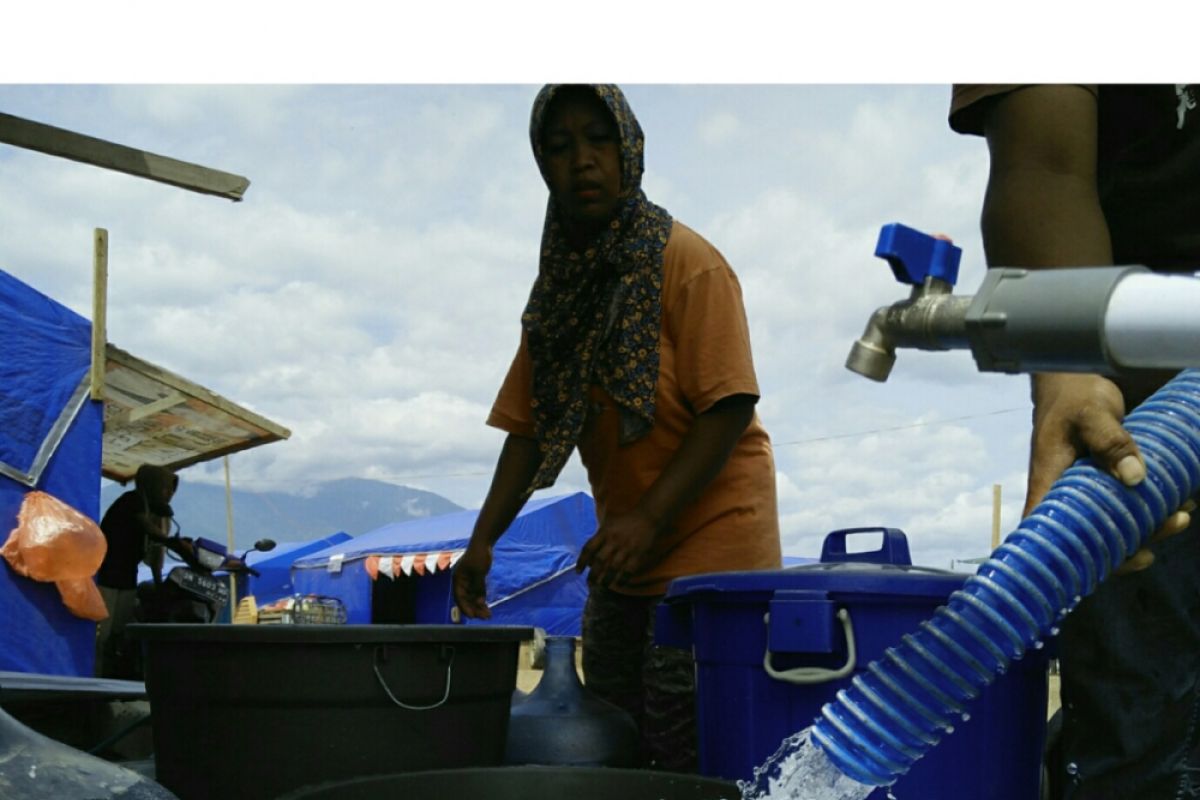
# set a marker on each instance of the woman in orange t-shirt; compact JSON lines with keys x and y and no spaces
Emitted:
{"x":635,"y":349}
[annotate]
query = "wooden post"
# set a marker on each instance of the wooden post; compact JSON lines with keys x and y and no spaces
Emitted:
{"x":995,"y":516}
{"x":229,"y":538}
{"x":99,"y":310}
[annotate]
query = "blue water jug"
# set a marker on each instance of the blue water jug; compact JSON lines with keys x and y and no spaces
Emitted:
{"x":560,"y":723}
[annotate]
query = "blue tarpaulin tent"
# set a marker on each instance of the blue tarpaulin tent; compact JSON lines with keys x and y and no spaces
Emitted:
{"x":532,"y":582}
{"x":275,"y":567}
{"x":50,"y":440}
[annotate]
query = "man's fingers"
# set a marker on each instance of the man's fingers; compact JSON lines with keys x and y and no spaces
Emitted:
{"x":1172,"y":525}
{"x":1137,"y":562}
{"x":1112,"y":448}
{"x":1098,"y":434}
{"x":1175,"y":524}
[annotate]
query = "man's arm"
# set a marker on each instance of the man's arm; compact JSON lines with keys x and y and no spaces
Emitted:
{"x":1042,"y":209}
{"x":154,"y":531}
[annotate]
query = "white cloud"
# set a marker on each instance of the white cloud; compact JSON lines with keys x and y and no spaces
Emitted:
{"x":720,"y":129}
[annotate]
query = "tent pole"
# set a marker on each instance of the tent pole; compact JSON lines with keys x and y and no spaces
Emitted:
{"x":995,"y":515}
{"x":229,"y":536}
{"x":99,"y":310}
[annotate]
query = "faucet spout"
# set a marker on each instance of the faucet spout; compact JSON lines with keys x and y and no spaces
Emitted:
{"x":931,"y":319}
{"x":874,"y":353}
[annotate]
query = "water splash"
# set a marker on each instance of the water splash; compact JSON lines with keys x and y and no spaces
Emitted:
{"x":799,"y":770}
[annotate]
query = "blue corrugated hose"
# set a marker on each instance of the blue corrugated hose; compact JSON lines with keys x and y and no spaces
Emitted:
{"x":1084,"y":528}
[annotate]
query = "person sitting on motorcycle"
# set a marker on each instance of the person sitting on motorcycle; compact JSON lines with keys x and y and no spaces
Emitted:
{"x":136,"y":527}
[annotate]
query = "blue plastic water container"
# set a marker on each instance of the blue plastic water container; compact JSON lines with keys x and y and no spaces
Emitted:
{"x":772,"y":647}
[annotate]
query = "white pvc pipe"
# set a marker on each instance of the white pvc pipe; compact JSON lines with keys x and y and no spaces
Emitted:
{"x":1153,"y":321}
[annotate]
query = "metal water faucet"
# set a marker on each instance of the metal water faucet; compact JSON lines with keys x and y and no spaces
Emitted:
{"x":1046,"y":320}
{"x":932,"y":318}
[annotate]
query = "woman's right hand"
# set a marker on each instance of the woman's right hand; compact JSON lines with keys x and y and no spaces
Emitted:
{"x":470,"y":581}
{"x":1080,"y":415}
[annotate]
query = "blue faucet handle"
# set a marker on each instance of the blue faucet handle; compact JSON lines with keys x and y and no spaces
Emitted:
{"x":915,"y":256}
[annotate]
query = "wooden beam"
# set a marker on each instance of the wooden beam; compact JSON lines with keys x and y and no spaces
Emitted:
{"x":199,"y":458}
{"x":53,"y":141}
{"x":141,"y":412}
{"x":186,"y":387}
{"x":99,"y":310}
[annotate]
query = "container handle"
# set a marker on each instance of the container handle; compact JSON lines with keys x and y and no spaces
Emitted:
{"x":393,"y":698}
{"x":894,"y":550}
{"x":803,"y":676}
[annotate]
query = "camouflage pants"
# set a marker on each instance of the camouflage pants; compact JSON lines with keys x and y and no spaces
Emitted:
{"x":655,"y":685}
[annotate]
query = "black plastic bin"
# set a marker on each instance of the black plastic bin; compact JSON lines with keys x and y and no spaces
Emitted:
{"x":527,"y":783}
{"x":254,"y":711}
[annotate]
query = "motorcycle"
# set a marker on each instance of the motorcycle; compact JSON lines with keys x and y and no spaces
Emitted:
{"x":191,"y":593}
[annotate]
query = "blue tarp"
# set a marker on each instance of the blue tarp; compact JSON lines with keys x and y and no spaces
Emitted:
{"x":275,"y":567}
{"x":532,"y":582}
{"x":45,"y":355}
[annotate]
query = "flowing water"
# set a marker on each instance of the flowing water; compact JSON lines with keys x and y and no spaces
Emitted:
{"x":800,"y":770}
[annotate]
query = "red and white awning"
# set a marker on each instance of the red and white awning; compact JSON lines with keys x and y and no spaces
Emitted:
{"x":393,"y":565}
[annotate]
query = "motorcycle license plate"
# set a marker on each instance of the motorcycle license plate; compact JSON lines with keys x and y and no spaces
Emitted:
{"x":204,"y":586}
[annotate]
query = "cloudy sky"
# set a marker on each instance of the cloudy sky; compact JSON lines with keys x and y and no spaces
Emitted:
{"x":367,"y":292}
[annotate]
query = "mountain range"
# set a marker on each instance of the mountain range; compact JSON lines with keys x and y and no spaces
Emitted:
{"x":352,"y":505}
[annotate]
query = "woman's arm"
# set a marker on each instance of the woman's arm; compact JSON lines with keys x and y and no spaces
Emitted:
{"x":518,"y":463}
{"x":620,"y":546}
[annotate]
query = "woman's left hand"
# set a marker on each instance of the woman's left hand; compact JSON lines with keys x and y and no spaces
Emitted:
{"x":619,"y":549}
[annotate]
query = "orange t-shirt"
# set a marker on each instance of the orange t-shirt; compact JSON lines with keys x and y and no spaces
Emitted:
{"x":704,"y":356}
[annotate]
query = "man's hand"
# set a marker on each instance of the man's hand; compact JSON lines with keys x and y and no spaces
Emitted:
{"x":1078,"y":415}
{"x":619,"y":549}
{"x":470,"y":581}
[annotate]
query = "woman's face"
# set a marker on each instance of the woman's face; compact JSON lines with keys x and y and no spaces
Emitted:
{"x":581,"y":156}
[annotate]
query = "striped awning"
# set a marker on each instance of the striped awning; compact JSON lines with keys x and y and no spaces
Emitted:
{"x":393,"y":565}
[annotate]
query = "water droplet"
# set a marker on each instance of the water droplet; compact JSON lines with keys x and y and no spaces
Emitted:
{"x":1054,"y":631}
{"x":1038,"y":645}
{"x":966,"y":717}
{"x":949,"y":729}
{"x":1072,"y":768}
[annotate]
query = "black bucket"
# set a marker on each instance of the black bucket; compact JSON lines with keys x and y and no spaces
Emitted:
{"x":254,"y":711}
{"x":526,"y":783}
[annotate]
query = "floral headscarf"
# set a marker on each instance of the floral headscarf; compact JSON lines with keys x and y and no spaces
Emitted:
{"x":593,"y":317}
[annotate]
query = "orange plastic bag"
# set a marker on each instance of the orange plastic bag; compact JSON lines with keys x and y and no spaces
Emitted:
{"x":55,"y":543}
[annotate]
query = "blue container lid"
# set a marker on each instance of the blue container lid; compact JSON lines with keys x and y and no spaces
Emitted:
{"x":836,"y":578}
